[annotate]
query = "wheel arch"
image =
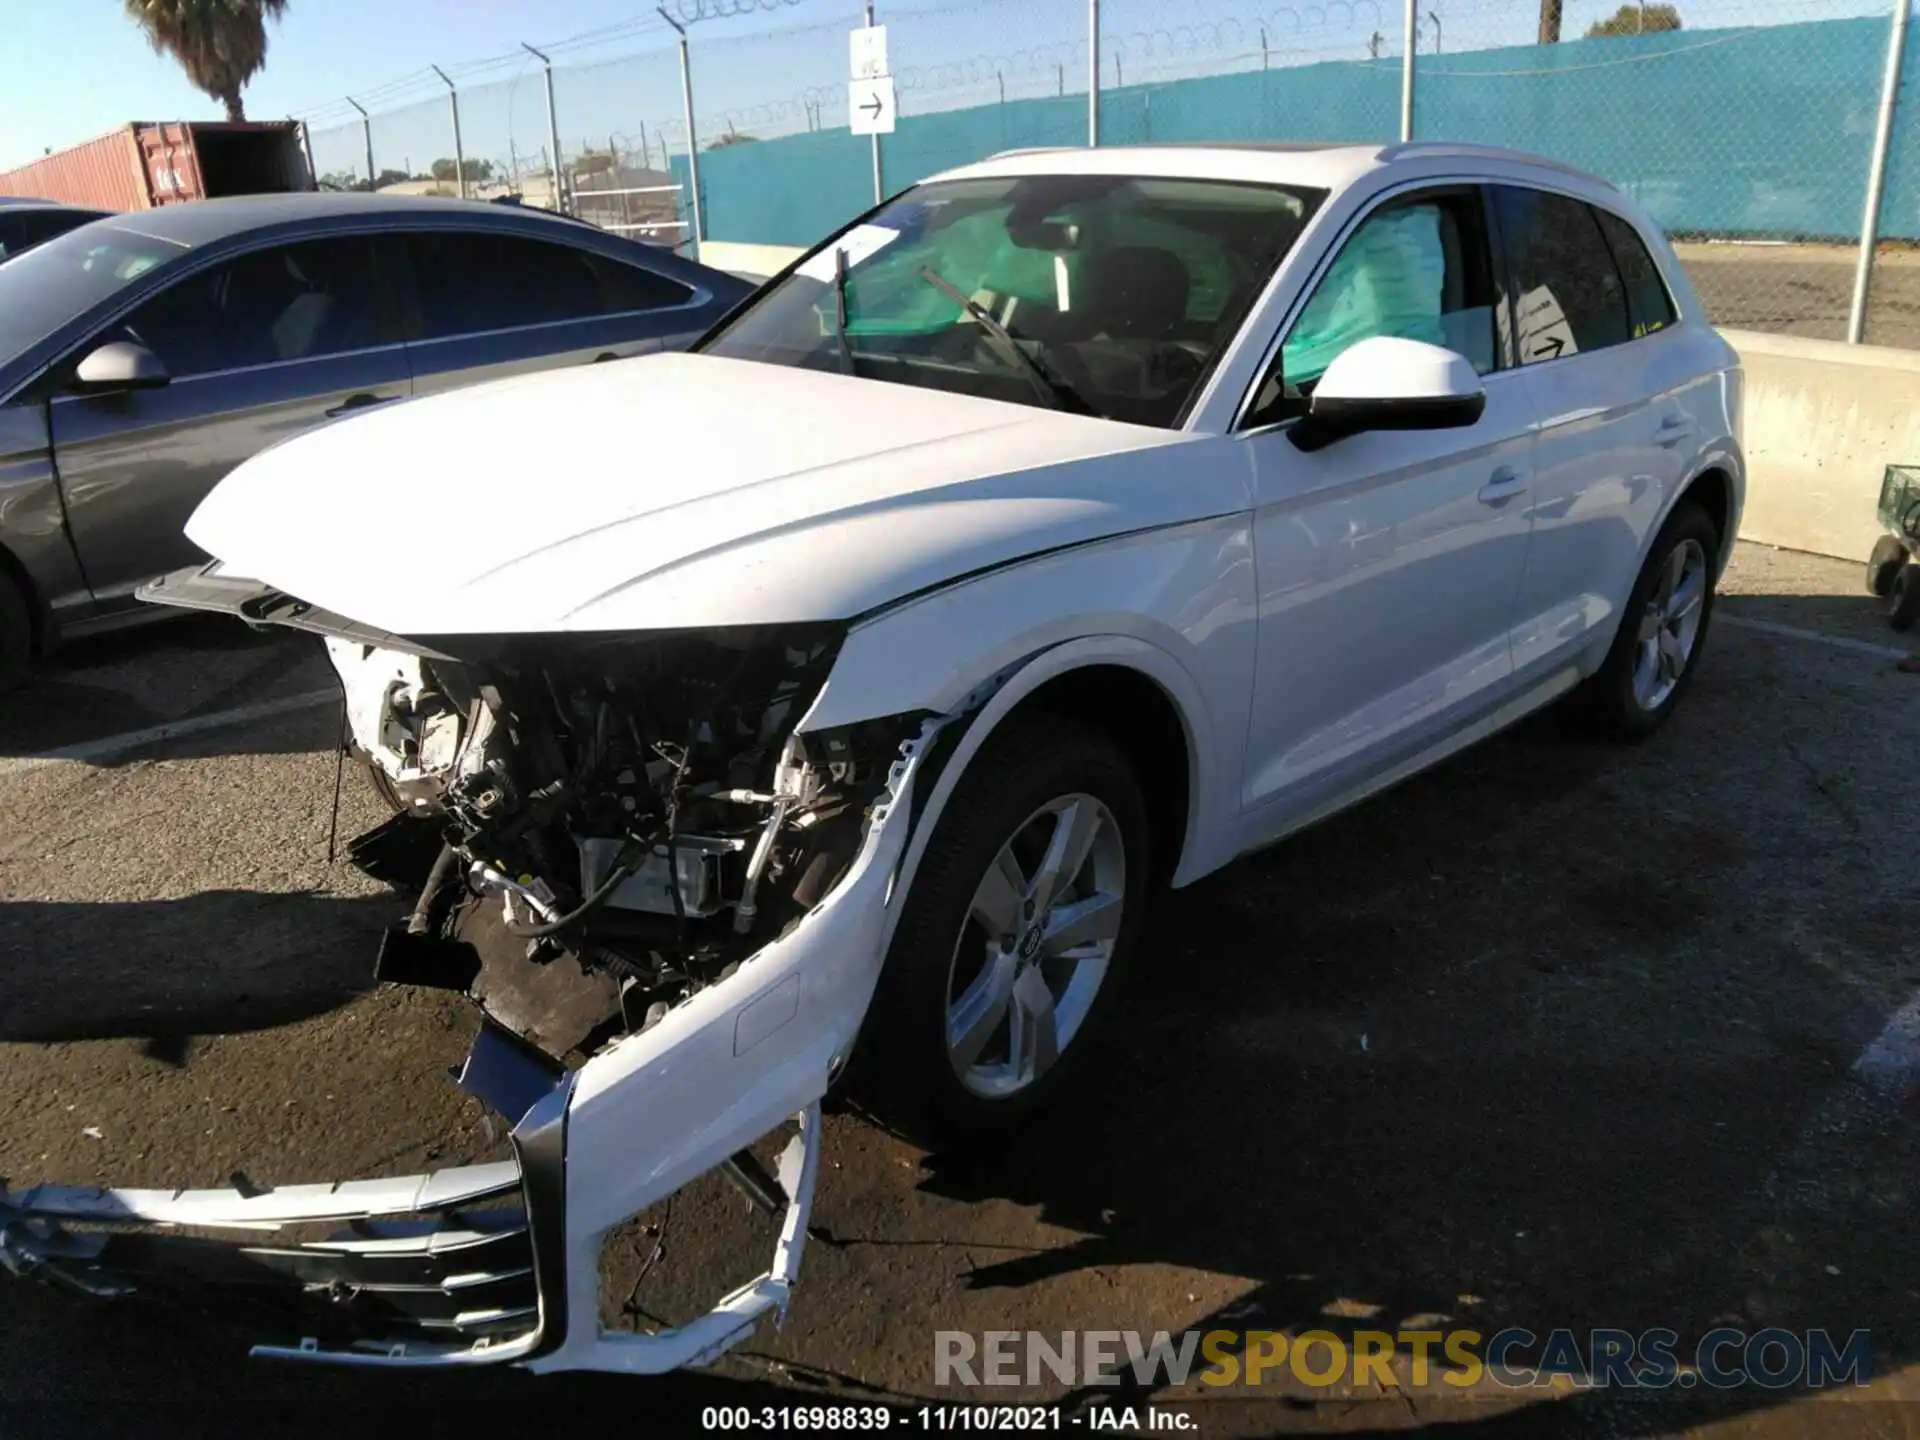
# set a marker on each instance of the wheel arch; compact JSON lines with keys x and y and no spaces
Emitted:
{"x":1713,"y":490}
{"x":1074,"y":677}
{"x":41,"y":620}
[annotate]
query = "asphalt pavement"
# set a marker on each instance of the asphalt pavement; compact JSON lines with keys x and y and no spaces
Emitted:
{"x":1560,"y":1034}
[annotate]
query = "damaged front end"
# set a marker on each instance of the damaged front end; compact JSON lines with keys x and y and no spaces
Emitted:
{"x":669,"y":900}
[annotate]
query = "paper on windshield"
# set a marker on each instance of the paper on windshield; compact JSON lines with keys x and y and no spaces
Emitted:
{"x":860,"y":243}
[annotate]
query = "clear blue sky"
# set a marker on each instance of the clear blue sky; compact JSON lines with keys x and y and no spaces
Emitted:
{"x":69,"y":72}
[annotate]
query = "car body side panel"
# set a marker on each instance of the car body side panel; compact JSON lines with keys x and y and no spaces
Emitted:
{"x":134,"y":466}
{"x":1175,"y":604}
{"x":1620,"y":432}
{"x":32,"y":521}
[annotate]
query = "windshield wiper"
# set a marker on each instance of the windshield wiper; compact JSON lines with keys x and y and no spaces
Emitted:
{"x":1050,"y":388}
{"x":840,"y":311}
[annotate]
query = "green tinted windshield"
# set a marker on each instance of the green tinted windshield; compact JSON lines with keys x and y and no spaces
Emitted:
{"x":1120,"y":290}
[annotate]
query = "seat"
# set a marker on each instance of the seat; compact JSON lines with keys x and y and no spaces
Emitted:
{"x":1139,"y":292}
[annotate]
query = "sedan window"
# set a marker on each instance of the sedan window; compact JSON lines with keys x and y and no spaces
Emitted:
{"x":63,"y":279}
{"x":1110,"y":295}
{"x":473,"y":281}
{"x":291,"y":302}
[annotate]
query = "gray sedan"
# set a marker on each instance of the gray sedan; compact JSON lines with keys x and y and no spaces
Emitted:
{"x":144,"y":356}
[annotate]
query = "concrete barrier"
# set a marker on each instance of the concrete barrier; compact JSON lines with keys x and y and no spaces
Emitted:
{"x":739,"y":258}
{"x":1823,"y":421}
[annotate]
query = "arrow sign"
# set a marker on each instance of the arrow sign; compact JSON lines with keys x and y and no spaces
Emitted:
{"x":1550,"y":349}
{"x":870,"y":106}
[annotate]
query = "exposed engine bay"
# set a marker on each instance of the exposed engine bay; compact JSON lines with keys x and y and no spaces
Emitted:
{"x":670,"y":900}
{"x":616,"y":822}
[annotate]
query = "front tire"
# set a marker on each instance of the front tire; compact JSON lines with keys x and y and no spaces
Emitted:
{"x":1662,"y":631}
{"x":16,"y":635}
{"x":1016,"y":937}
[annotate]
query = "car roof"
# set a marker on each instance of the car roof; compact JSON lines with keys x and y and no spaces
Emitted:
{"x":204,"y":221}
{"x":32,"y":202}
{"x":1322,"y":165}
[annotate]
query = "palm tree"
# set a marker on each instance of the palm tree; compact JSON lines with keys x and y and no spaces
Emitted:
{"x":221,"y":44}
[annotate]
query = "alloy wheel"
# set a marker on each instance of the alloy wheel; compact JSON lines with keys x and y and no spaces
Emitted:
{"x":1035,"y":946}
{"x":1670,"y":625}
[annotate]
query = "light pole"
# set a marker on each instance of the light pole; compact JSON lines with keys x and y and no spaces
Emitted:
{"x":366,"y":131}
{"x":693,"y":141}
{"x":459,"y":154}
{"x":553,"y":133}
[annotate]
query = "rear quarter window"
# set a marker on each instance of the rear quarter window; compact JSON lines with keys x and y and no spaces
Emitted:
{"x":1649,"y":305}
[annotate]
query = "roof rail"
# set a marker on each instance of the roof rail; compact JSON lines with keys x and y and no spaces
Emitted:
{"x":1444,"y":149}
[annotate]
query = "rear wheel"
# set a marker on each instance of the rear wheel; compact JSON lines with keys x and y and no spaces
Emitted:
{"x":1903,"y":600}
{"x":16,"y":634}
{"x":1884,"y":564}
{"x":1016,"y":936}
{"x":1662,"y":631}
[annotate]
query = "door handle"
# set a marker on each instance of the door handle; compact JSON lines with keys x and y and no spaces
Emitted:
{"x":1505,"y":484}
{"x":365,"y":400}
{"x":1673,"y":430}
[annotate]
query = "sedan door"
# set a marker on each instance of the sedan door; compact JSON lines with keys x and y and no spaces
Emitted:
{"x":492,"y":304}
{"x":256,"y":348}
{"x":1616,"y":386}
{"x":1389,"y":562}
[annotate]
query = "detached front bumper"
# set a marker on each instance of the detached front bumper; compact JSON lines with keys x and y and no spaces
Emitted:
{"x":500,"y":1263}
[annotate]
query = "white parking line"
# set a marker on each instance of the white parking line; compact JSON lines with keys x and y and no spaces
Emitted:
{"x":1818,"y":637}
{"x":1863,"y":1106}
{"x":1891,"y":1064}
{"x":92,"y":751}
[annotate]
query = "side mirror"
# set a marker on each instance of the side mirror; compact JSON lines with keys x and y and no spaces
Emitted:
{"x":118,"y":365}
{"x":1386,"y":383}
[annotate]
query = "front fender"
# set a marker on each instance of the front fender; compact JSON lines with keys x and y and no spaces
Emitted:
{"x":1176,"y":605}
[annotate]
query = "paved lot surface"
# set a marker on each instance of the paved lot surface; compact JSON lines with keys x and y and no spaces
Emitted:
{"x":1557,"y":1035}
{"x":1806,"y":289}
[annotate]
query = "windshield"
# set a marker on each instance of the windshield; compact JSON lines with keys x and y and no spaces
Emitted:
{"x":1103,"y":294}
{"x":52,"y":283}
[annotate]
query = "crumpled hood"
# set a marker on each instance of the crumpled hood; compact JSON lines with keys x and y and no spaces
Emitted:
{"x":677,"y":490}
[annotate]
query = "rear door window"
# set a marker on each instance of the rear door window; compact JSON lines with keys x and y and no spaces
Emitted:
{"x":1649,"y":306}
{"x":288,"y":302}
{"x":1568,"y":296}
{"x":470,"y":282}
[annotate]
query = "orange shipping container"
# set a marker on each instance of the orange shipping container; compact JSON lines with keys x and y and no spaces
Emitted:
{"x":146,"y":164}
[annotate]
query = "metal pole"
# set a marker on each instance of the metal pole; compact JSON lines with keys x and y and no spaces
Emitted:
{"x":1436,"y":31}
{"x":879,"y":187}
{"x":459,"y":153}
{"x":306,"y":149}
{"x":1877,"y":172}
{"x":699,"y":232}
{"x":1093,"y":72}
{"x":366,"y":130}
{"x":553,"y":134}
{"x":1406,"y":72}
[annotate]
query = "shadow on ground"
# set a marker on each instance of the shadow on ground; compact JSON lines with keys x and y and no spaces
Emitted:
{"x":221,"y":962}
{"x":157,"y":674}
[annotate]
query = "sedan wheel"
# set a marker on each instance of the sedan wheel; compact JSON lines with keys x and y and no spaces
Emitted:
{"x":1034,"y":949}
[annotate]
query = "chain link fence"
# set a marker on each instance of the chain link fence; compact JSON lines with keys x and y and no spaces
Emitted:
{"x":1749,"y":128}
